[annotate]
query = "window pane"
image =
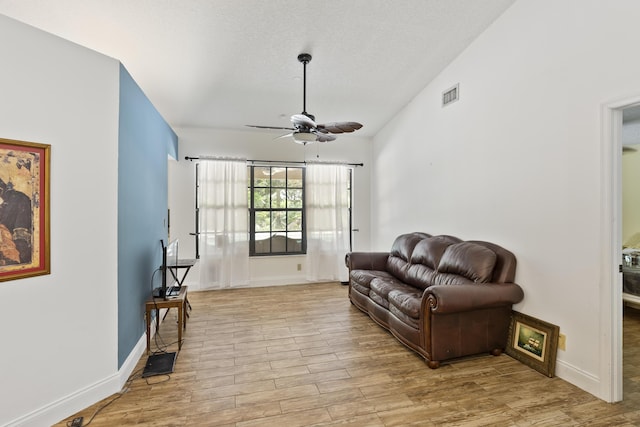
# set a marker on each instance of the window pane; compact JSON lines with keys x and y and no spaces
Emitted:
{"x":278,"y":220}
{"x":294,"y":177}
{"x":294,"y":242}
{"x":278,"y":177}
{"x":261,"y":176}
{"x":294,"y":198}
{"x":279,"y":243}
{"x":263,"y":221}
{"x":294,"y":221}
{"x":261,"y":198}
{"x":263,"y":243}
{"x":278,"y":198}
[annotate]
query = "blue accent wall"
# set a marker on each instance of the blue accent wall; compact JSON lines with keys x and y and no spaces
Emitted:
{"x":145,"y":142}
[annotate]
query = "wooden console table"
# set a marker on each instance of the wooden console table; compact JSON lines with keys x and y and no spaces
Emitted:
{"x":180,"y":302}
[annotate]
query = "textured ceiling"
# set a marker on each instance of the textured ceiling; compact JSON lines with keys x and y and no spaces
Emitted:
{"x":227,"y":63}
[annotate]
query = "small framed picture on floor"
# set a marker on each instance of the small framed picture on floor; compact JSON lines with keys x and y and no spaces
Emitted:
{"x":533,"y":342}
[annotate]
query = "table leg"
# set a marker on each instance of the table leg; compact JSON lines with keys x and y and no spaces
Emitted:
{"x":185,"y":311}
{"x":180,"y":324}
{"x":148,"y":319}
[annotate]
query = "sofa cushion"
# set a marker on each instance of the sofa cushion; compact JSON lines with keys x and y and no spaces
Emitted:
{"x":406,"y":302}
{"x":425,"y":259}
{"x":364,"y":277}
{"x":469,"y":260}
{"x":381,"y":286}
{"x":419,"y":275}
{"x":403,"y":245}
{"x":400,"y":255}
{"x":450,"y":279}
{"x":429,"y":251}
{"x":361,"y":279}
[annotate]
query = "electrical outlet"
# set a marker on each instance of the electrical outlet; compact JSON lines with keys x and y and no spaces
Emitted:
{"x":77,"y":422}
{"x":562,"y":342}
{"x":299,"y":267}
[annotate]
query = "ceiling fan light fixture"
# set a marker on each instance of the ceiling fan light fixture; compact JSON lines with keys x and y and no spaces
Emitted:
{"x":304,"y":137}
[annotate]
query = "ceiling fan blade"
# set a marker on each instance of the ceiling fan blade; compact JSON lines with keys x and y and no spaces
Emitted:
{"x":285,"y":135}
{"x":323,"y":137}
{"x":339,"y":127}
{"x":300,"y":120}
{"x":269,"y":127}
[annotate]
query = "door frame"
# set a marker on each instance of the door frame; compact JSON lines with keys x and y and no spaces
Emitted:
{"x":611,"y":360}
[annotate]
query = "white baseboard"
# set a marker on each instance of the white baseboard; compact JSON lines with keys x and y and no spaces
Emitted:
{"x":258,"y":283}
{"x":578,"y":377}
{"x":132,"y":360}
{"x":277,"y":281}
{"x":85,"y":397}
{"x":69,"y":405}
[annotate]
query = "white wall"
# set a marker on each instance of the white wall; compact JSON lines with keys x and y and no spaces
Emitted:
{"x":59,"y":331}
{"x":517,"y":159}
{"x":258,"y":145}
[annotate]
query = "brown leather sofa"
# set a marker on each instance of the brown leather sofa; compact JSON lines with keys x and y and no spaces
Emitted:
{"x":440,"y":296}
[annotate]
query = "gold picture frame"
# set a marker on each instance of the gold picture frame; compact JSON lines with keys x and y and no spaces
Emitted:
{"x":533,"y":342}
{"x":24,"y":209}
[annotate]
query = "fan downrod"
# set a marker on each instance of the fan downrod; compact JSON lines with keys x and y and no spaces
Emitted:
{"x":305,"y":58}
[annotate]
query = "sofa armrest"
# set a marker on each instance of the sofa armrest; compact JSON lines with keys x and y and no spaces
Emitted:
{"x":466,"y":297}
{"x":366,"y":260}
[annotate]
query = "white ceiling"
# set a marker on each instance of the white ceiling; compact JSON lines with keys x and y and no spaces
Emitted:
{"x":228,"y":63}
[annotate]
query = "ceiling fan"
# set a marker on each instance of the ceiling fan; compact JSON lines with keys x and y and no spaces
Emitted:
{"x":305,"y":130}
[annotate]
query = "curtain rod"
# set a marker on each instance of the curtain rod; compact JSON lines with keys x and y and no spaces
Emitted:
{"x":272,"y":161}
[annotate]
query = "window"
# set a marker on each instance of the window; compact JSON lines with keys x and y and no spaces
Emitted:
{"x":276,"y":210}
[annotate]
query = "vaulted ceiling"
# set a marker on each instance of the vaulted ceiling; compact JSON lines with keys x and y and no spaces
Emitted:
{"x":228,"y":63}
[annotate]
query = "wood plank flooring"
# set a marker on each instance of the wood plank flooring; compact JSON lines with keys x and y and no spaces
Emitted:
{"x":303,"y":356}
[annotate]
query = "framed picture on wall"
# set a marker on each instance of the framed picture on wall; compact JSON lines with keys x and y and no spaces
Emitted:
{"x":533,"y":342}
{"x":24,"y":209}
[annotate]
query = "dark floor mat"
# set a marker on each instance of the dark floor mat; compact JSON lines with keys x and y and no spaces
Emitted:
{"x":159,"y":364}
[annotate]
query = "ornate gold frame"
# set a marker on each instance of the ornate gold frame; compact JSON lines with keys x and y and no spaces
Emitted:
{"x":533,"y":342}
{"x":24,"y":209}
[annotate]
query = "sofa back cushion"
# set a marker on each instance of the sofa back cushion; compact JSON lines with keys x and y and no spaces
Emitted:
{"x":400,"y":253}
{"x":421,"y":260}
{"x":505,"y":268}
{"x":429,"y":251}
{"x":425,"y":259}
{"x":403,"y":245}
{"x":469,"y":260}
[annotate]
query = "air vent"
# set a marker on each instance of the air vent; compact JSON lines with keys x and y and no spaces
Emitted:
{"x":451,"y":95}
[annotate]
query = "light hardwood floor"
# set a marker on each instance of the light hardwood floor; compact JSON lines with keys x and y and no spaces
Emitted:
{"x":303,"y":356}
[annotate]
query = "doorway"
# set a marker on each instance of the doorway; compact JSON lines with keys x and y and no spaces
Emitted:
{"x":612,"y":239}
{"x":630,"y":193}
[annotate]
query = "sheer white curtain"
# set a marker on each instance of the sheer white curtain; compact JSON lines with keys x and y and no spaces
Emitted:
{"x":224,"y":234}
{"x":327,"y":221}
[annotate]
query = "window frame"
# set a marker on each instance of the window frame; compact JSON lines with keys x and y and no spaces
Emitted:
{"x":252,"y":210}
